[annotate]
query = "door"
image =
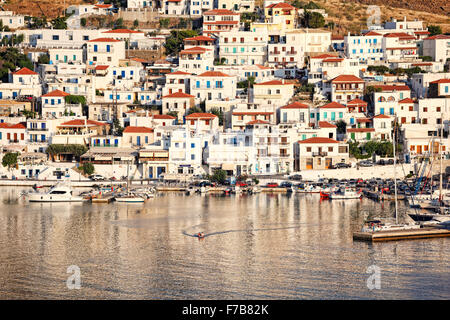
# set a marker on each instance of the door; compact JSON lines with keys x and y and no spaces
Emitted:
{"x":327,"y":163}
{"x":419,"y":149}
{"x":309,"y":164}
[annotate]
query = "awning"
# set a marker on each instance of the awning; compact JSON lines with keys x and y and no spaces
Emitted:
{"x":228,"y":166}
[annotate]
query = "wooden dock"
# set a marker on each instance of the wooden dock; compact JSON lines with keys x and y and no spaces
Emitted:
{"x":422,"y":233}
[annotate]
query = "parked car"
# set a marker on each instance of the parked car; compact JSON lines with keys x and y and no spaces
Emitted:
{"x":286,"y":184}
{"x":272,"y":185}
{"x":96,"y":177}
{"x":241,"y":184}
{"x":366,"y":163}
{"x":341,"y":165}
{"x":295,"y":177}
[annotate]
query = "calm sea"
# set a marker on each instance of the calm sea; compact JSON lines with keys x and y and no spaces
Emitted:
{"x":256,"y":247}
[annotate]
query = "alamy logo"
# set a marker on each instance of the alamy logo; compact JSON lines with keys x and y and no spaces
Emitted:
{"x":74,"y":280}
{"x":374,"y":281}
{"x":374,"y":18}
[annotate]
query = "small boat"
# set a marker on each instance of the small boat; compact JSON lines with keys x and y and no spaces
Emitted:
{"x":345,"y":193}
{"x":129,"y":198}
{"x":58,"y":193}
{"x":377,"y":225}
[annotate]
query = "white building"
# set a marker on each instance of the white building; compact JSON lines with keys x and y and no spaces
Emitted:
{"x":243,"y":48}
{"x":212,"y":85}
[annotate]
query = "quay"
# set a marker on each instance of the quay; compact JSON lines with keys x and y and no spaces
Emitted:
{"x":422,"y":233}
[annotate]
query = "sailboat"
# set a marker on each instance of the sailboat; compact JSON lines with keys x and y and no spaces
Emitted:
{"x":128,"y":196}
{"x":377,"y":225}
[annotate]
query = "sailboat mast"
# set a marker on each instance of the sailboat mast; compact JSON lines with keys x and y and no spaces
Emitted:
{"x":395,"y":168}
{"x":440,"y":156}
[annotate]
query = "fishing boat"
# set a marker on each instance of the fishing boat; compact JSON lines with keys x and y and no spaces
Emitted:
{"x":61,"y":192}
{"x":345,"y":193}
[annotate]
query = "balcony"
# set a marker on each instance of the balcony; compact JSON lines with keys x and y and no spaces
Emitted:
{"x":319,"y":154}
{"x":37,"y":129}
{"x":291,"y":52}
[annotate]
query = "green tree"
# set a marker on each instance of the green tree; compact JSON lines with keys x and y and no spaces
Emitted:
{"x":44,"y":59}
{"x":73,"y":99}
{"x":244,"y":84}
{"x":194,"y":110}
{"x":10,"y":159}
{"x":164,"y":23}
{"x":219,"y":114}
{"x":87,"y":168}
{"x":10,"y":59}
{"x":219,"y":176}
{"x":314,"y":20}
{"x":136,"y":23}
{"x":312,"y":5}
{"x":118,"y":129}
{"x":59,"y":23}
{"x":173,"y":114}
{"x":434,"y":30}
{"x":174,"y":42}
{"x":341,"y":127}
{"x":83,"y":22}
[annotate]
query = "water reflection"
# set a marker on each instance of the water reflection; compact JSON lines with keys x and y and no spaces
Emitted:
{"x":256,"y":247}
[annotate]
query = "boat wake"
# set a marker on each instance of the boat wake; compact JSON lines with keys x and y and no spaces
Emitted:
{"x":208,"y":234}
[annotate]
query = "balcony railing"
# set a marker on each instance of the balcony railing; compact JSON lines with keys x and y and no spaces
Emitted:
{"x":319,"y":154}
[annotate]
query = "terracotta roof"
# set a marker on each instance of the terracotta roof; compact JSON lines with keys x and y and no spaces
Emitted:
{"x":363,"y":120}
{"x":199,"y":38}
{"x":220,"y":12}
{"x":82,"y":123}
{"x":221,"y":22}
{"x":337,"y":37}
{"x":324,"y":56}
{"x":296,"y":105}
{"x":122,"y":31}
{"x":280,"y":5}
{"x":381,"y":116}
{"x":356,"y":102}
{"x":438,"y":37}
{"x":347,"y":78}
{"x":318,"y":140}
{"x":333,"y":59}
{"x":332,"y":105}
{"x":213,"y":74}
{"x":386,"y":87}
{"x":56,"y":93}
{"x":407,"y":100}
{"x":24,"y":71}
{"x":5,"y":125}
{"x":372,"y":33}
{"x":139,"y":60}
{"x":178,"y":95}
{"x":326,"y":124}
{"x":101,"y":67}
{"x":401,"y":35}
{"x":104,"y":40}
{"x":422,"y":64}
{"x":257,"y":122}
{"x":194,"y":50}
{"x":201,"y":115}
{"x":178,"y":73}
{"x":103,"y":5}
{"x":260,"y":66}
{"x":441,"y":81}
{"x":132,"y":129}
{"x":360,"y":129}
{"x":422,"y":32}
{"x":272,"y":83}
{"x":402,"y":48}
{"x":163,"y":116}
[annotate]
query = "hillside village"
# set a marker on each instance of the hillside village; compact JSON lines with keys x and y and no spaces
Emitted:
{"x":244,"y":89}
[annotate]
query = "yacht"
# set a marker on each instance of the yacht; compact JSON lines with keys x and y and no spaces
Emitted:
{"x":58,"y":193}
{"x":345,"y":193}
{"x":129,"y":198}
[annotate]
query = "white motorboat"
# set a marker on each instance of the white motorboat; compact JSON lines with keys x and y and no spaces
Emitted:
{"x":345,"y":193}
{"x":58,"y":193}
{"x":378,"y":225}
{"x":130,"y":198}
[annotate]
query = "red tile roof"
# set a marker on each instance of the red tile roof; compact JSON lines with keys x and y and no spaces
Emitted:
{"x":324,"y":56}
{"x":400,"y":35}
{"x":5,"y":125}
{"x":356,"y":102}
{"x":201,"y":115}
{"x":438,"y":37}
{"x":82,"y":123}
{"x":272,"y":83}
{"x":24,"y":71}
{"x":333,"y":59}
{"x":178,"y":95}
{"x":178,"y":73}
{"x":407,"y":100}
{"x":254,"y":113}
{"x":104,"y":40}
{"x":101,"y":67}
{"x":441,"y":81}
{"x":257,"y":122}
{"x":362,"y":120}
{"x":326,"y":124}
{"x":122,"y":31}
{"x":332,"y":105}
{"x":372,"y":33}
{"x":194,"y":50}
{"x":381,"y":116}
{"x":281,"y":5}
{"x":56,"y":93}
{"x":221,"y":22}
{"x":360,"y":130}
{"x":296,"y":105}
{"x":199,"y":38}
{"x":132,"y":129}
{"x":386,"y":87}
{"x":318,"y":140}
{"x":163,"y":116}
{"x":347,"y":78}
{"x":213,"y":74}
{"x":105,"y":6}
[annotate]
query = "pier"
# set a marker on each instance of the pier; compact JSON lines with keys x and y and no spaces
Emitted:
{"x":422,"y":233}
